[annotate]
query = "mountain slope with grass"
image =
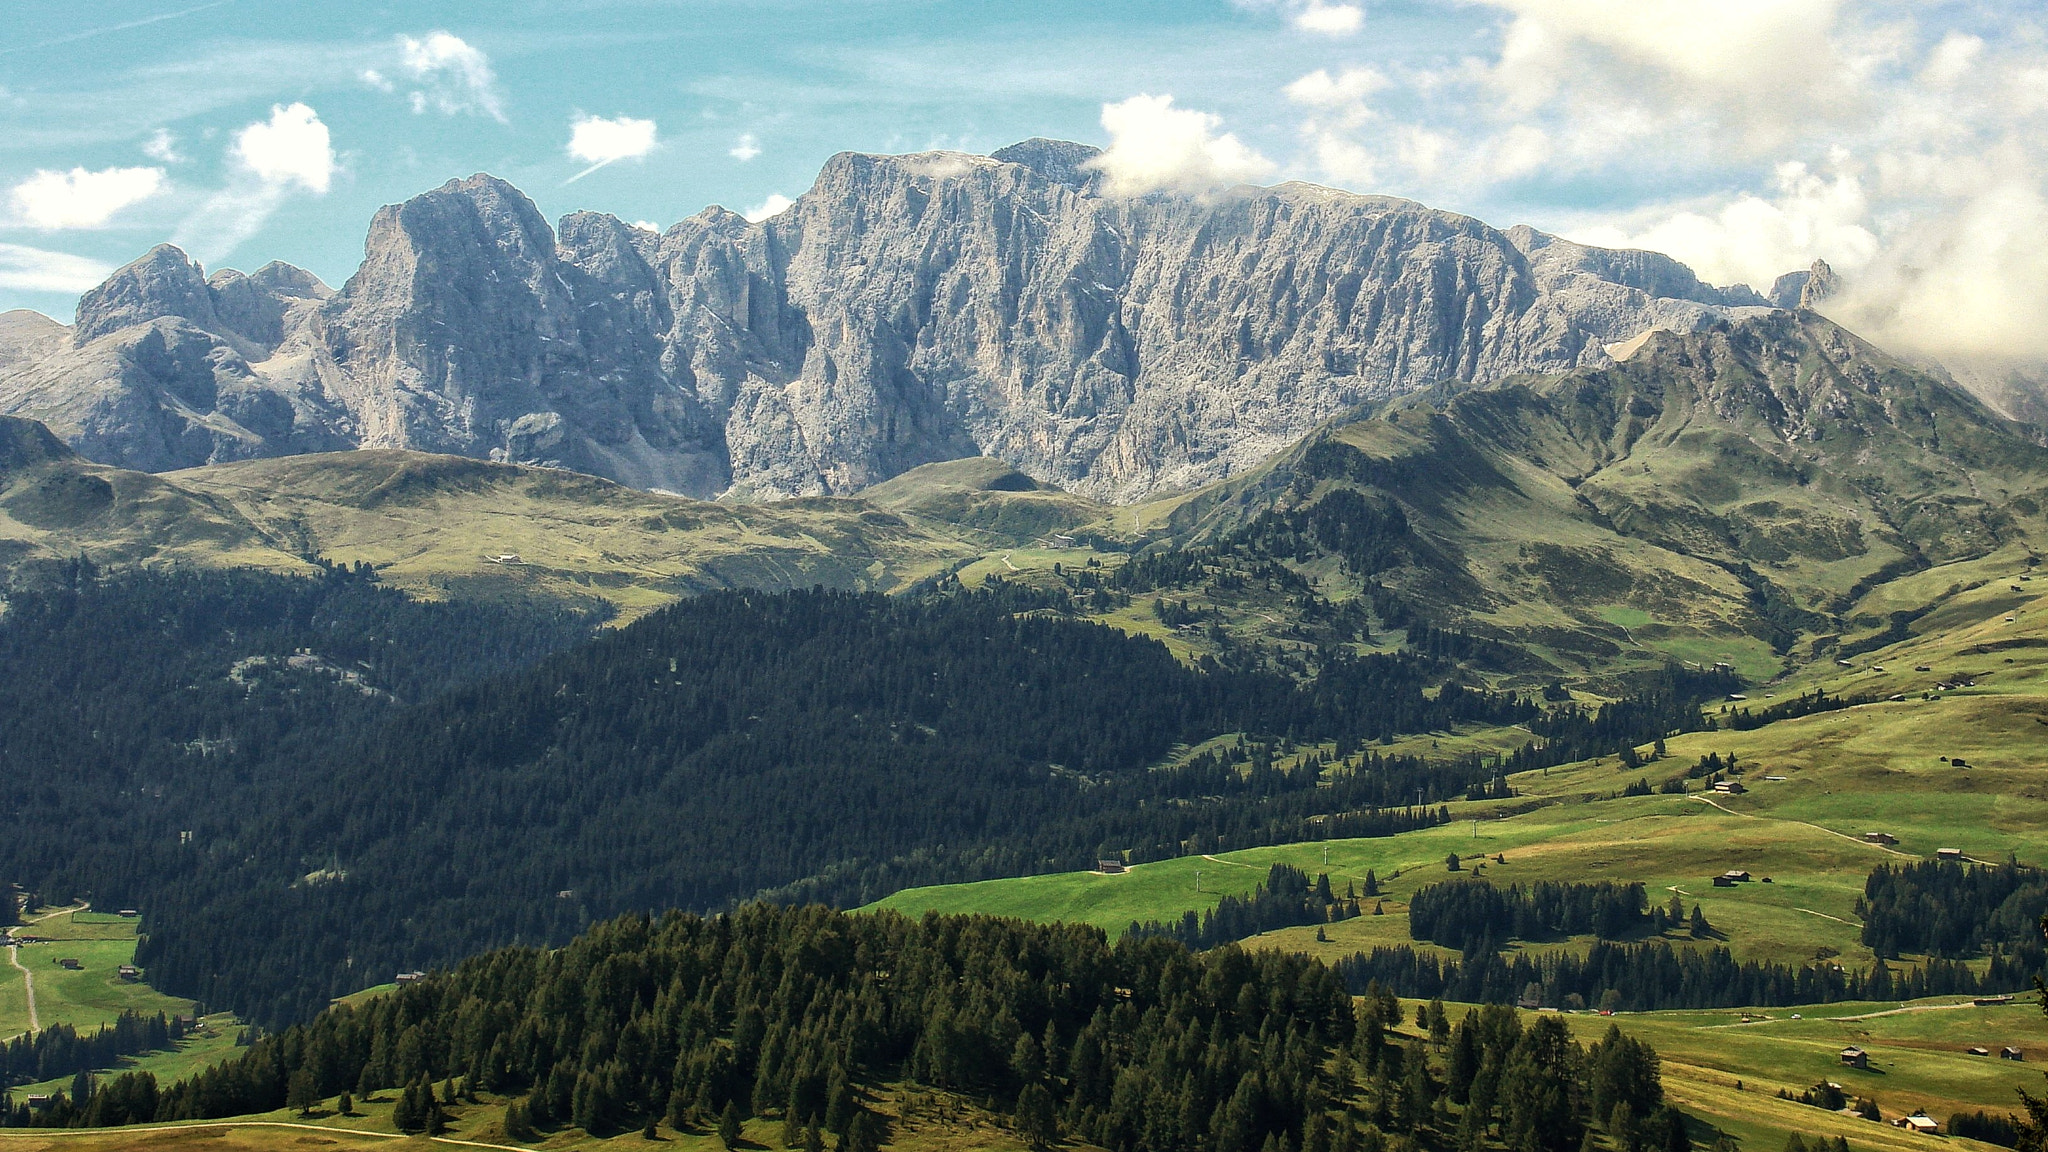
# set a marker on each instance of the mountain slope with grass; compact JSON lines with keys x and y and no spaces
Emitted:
{"x":1729,"y":495}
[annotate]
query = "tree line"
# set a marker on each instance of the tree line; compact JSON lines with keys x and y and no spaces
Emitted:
{"x":1654,"y":976}
{"x":1474,"y":915}
{"x":61,"y":1050}
{"x":1285,"y":899}
{"x":1952,"y":909}
{"x":799,"y":1013}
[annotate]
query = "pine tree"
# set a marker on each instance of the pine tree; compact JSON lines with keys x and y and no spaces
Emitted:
{"x":405,"y":1115}
{"x":729,"y":1126}
{"x":346,"y":1105}
{"x":1035,"y":1119}
{"x":519,"y":1121}
{"x":814,"y":1140}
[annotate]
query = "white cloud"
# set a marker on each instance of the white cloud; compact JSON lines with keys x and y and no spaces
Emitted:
{"x":292,"y":147}
{"x":1353,"y":86}
{"x":1753,"y":240}
{"x":81,"y":198}
{"x":1905,"y":143}
{"x":775,"y":205}
{"x":648,"y":226}
{"x":598,"y":141}
{"x":163,"y":145}
{"x":746,"y":149}
{"x":1329,"y":19}
{"x":454,"y":76}
{"x":25,"y":269}
{"x":269,"y":159}
{"x":1154,"y":146}
{"x":377,"y":80}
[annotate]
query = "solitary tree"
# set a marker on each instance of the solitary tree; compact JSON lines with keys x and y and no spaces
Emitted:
{"x":346,"y":1105}
{"x":729,"y":1126}
{"x":301,"y":1092}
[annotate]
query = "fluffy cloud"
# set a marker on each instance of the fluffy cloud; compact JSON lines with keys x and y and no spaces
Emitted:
{"x":1752,"y":239}
{"x":291,"y":148}
{"x":746,"y":149}
{"x":269,"y":159}
{"x":25,"y":269}
{"x":1320,"y":16}
{"x":1155,"y":147}
{"x":80,"y":198}
{"x":775,"y":205}
{"x":598,"y":141}
{"x":1906,"y":144}
{"x":1329,"y":19}
{"x":453,"y":77}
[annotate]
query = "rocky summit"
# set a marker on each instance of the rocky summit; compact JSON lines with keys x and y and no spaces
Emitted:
{"x":906,"y":310}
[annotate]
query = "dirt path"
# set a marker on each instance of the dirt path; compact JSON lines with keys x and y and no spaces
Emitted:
{"x":1825,"y":916}
{"x":28,"y":978}
{"x":1232,"y":863}
{"x":41,"y":1133}
{"x":1007,"y":564}
{"x":28,"y":986}
{"x":1803,"y":824}
{"x":1907,"y":1008}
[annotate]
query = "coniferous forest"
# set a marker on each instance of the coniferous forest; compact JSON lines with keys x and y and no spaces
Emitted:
{"x":802,"y":1013}
{"x":310,"y":784}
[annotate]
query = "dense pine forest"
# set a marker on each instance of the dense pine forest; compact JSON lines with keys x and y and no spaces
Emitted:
{"x":803,"y":1013}
{"x":1952,"y":909}
{"x":1474,"y":916}
{"x":309,"y":784}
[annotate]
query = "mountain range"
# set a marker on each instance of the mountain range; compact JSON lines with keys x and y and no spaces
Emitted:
{"x":905,"y":310}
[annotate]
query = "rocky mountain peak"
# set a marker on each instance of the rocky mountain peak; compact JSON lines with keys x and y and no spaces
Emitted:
{"x":162,"y":282}
{"x":1060,"y":161}
{"x":909,"y":310}
{"x":292,"y":283}
{"x":1821,"y":283}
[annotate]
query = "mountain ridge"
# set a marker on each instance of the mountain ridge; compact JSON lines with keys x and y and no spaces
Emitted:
{"x":905,"y":310}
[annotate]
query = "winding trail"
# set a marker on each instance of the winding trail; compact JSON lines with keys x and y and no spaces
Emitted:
{"x":28,"y":985}
{"x":28,"y":978}
{"x":1804,"y":824}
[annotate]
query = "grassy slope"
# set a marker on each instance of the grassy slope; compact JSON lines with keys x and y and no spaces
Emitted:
{"x":920,"y":1121}
{"x":429,"y":523}
{"x":88,"y":998}
{"x":1873,"y":768}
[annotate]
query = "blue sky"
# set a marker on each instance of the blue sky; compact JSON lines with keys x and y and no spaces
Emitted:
{"x":1898,"y":140}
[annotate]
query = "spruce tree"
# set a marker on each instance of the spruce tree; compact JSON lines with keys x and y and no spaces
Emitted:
{"x":729,"y":1126}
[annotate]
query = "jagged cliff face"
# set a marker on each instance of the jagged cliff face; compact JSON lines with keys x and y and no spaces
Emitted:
{"x":908,"y":309}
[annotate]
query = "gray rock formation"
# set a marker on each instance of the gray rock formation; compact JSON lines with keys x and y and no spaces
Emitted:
{"x":907,"y":309}
{"x":1806,"y":288}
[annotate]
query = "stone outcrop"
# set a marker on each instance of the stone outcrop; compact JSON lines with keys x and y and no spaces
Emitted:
{"x":906,"y":310}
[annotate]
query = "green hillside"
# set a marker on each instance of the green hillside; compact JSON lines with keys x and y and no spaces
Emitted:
{"x":1742,"y":495}
{"x":1816,"y":784}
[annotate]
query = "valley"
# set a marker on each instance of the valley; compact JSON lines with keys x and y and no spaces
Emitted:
{"x":1699,"y":678}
